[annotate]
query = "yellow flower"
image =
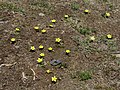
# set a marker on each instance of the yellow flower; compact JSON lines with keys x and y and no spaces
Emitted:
{"x":54,"y":79}
{"x":67,"y":51}
{"x":51,"y":25}
{"x":53,"y":21}
{"x":50,"y":48}
{"x":86,"y":11}
{"x":92,"y":38}
{"x":32,"y":48}
{"x":40,"y":60}
{"x":36,"y":28}
{"x":17,"y":29}
{"x":109,"y":36}
{"x":42,"y":55}
{"x":43,"y":31}
{"x":48,"y":71}
{"x":57,"y":40}
{"x":66,"y":16}
{"x":13,"y":39}
{"x":107,"y":14}
{"x":41,"y":47}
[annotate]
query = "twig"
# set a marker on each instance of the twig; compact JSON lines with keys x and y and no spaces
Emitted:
{"x":23,"y":77}
{"x":33,"y":73}
{"x":8,"y":65}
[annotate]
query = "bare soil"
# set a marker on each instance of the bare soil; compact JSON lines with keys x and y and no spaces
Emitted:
{"x":19,"y":69}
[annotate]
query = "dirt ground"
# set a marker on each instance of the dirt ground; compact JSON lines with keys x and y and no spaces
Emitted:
{"x":90,"y":65}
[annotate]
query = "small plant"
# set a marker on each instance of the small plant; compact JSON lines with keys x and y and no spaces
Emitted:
{"x":40,"y":60}
{"x":48,"y":71}
{"x":53,"y":21}
{"x":13,"y":40}
{"x":54,"y":79}
{"x":86,"y":11}
{"x":42,"y":54}
{"x":17,"y":29}
{"x":32,"y":48}
{"x":63,"y":65}
{"x":67,"y":51}
{"x":41,"y":47}
{"x":84,"y":31}
{"x":66,"y":16}
{"x":36,"y":28}
{"x":109,"y":36}
{"x":75,"y":6}
{"x":57,"y":40}
{"x":50,"y":49}
{"x":11,"y":7}
{"x":85,"y":75}
{"x":43,"y":31}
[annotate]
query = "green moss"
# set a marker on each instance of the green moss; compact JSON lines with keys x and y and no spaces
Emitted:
{"x":11,"y":7}
{"x":84,"y":75}
{"x":75,"y":6}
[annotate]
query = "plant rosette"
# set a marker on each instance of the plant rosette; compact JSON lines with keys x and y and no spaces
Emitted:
{"x":53,"y":21}
{"x":86,"y":11}
{"x":67,"y":51}
{"x":109,"y":36}
{"x":42,"y":55}
{"x":54,"y":79}
{"x":43,"y":31}
{"x":17,"y":29}
{"x":41,"y":47}
{"x":32,"y":48}
{"x":48,"y":71}
{"x":13,"y":40}
{"x":66,"y":16}
{"x":40,"y":60}
{"x":57,"y":40}
{"x":107,"y":14}
{"x":50,"y":49}
{"x":36,"y":28}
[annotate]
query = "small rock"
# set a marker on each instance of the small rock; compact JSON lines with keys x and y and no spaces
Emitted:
{"x":55,"y":62}
{"x":41,"y":14}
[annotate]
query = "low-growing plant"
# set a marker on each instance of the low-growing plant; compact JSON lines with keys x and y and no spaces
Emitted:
{"x":67,"y":51}
{"x":86,"y":11}
{"x":66,"y":16}
{"x":51,"y":26}
{"x":50,"y":49}
{"x":32,"y":48}
{"x":48,"y":71}
{"x":109,"y":36}
{"x":54,"y":79}
{"x":42,"y":55}
{"x":36,"y":28}
{"x":57,"y":40}
{"x":43,"y":31}
{"x":53,"y":21}
{"x":40,"y":60}
{"x":86,"y":31}
{"x":11,"y":7}
{"x":41,"y":47}
{"x":17,"y":29}
{"x":84,"y":75}
{"x":75,"y":6}
{"x":13,"y":40}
